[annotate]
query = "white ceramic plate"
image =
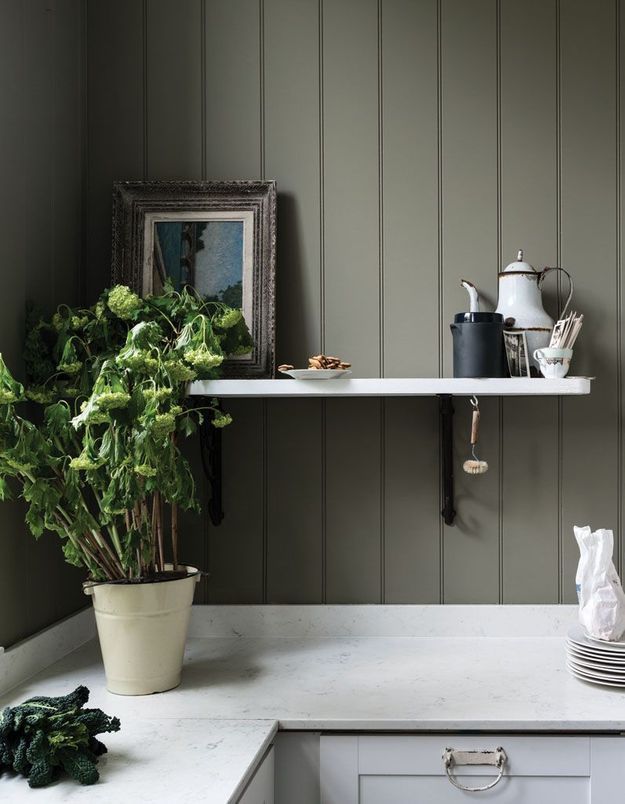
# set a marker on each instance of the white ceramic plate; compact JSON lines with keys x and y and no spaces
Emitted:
{"x":317,"y":374}
{"x":592,"y":679}
{"x":596,"y":661}
{"x":611,"y":642}
{"x":610,"y":673}
{"x":598,"y":653}
{"x":579,"y":637}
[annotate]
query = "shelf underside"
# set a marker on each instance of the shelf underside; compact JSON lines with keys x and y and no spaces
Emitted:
{"x":410,"y":386}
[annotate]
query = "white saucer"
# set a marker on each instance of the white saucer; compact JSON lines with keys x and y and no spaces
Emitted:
{"x":317,"y":374}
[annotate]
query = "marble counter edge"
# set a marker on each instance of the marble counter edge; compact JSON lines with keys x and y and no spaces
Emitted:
{"x":253,"y":764}
{"x":396,"y":726}
{"x":375,"y":620}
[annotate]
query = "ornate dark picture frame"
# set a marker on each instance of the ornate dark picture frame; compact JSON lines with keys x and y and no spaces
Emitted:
{"x":138,"y":206}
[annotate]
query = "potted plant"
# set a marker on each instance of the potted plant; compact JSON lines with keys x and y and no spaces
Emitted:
{"x":91,"y":443}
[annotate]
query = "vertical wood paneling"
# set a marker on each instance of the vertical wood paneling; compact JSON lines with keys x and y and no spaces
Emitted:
{"x":294,"y":502}
{"x":470,"y":237}
{"x":589,"y":167}
{"x":13,"y":623}
{"x":351,"y":129}
{"x":339,"y":101}
{"x":173,"y":150}
{"x":529,"y":187}
{"x":236,"y":547}
{"x":173,"y":75}
{"x":353,"y":560}
{"x":233,"y":150}
{"x":412,"y":505}
{"x":40,"y":165}
{"x":67,"y":141}
{"x":233,"y":85}
{"x":115,"y":123}
{"x":410,"y":187}
{"x":409,"y":196}
{"x":351,"y":182}
{"x":294,"y":454}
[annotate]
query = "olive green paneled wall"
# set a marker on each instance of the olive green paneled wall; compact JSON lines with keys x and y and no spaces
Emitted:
{"x":40,"y":241}
{"x":414,"y":142}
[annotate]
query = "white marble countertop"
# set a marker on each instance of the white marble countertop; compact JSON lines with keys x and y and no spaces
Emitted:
{"x":155,"y":760}
{"x":237,"y":690}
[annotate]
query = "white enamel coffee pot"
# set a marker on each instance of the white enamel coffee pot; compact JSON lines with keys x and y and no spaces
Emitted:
{"x":520,"y":302}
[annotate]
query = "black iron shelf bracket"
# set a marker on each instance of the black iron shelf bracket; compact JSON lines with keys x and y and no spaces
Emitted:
{"x":210,"y":451}
{"x":446,"y":430}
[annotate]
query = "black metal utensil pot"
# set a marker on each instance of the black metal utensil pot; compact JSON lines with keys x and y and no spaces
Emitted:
{"x":478,"y":345}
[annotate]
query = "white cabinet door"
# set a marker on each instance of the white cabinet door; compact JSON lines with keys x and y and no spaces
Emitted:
{"x":409,"y":769}
{"x":261,"y":789}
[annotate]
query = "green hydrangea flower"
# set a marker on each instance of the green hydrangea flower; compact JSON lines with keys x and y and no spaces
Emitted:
{"x":7,"y":397}
{"x":202,"y":358}
{"x":58,"y":322}
{"x":41,"y":394}
{"x":84,"y":462}
{"x":70,"y":368}
{"x":221,"y":419}
{"x":178,"y":371}
{"x":165,"y":423}
{"x":78,"y":322}
{"x":69,"y":362}
{"x":157,"y":394}
{"x":123,"y":303}
{"x":19,"y":465}
{"x":109,"y":400}
{"x":99,"y":310}
{"x":229,"y":318}
{"x":91,"y":414}
{"x":138,"y":360}
{"x":109,"y":390}
{"x":145,"y":470}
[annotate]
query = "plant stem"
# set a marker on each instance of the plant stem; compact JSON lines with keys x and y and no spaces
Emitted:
{"x":174,"y":533}
{"x":159,"y":530}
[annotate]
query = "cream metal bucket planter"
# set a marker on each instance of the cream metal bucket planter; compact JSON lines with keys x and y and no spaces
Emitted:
{"x":143,"y":629}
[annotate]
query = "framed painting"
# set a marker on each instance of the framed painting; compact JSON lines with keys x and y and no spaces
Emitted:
{"x":218,"y":237}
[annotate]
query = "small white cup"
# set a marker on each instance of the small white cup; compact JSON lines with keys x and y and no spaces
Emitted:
{"x":554,"y":363}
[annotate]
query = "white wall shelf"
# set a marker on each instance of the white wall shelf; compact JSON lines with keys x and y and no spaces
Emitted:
{"x":386,"y":386}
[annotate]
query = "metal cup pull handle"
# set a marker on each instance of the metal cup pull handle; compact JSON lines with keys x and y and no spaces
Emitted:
{"x":452,"y":758}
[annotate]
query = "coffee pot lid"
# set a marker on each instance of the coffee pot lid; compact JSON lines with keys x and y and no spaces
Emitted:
{"x":519,"y":266}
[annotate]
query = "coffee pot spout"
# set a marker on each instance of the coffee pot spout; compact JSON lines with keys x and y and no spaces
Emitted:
{"x":474,"y":299}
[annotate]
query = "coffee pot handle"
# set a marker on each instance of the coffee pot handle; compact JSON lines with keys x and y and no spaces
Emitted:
{"x":541,"y":279}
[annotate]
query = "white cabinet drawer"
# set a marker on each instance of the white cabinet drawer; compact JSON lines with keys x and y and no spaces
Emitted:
{"x":436,"y":790}
{"x":526,"y":756}
{"x":409,"y":769}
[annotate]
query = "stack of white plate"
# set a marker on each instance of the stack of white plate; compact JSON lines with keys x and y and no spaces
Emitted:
{"x":595,"y":660}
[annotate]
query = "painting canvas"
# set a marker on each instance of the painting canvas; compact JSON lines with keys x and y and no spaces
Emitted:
{"x":211,"y":252}
{"x":205,"y":254}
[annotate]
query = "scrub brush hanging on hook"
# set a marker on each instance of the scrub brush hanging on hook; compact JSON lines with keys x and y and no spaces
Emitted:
{"x":474,"y":466}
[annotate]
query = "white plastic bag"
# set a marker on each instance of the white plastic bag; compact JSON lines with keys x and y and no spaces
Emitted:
{"x":601,"y":597}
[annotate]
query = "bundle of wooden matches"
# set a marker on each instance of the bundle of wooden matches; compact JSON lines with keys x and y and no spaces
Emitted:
{"x":566,"y":331}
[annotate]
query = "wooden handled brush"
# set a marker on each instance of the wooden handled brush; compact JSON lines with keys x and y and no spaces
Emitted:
{"x":474,"y":466}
